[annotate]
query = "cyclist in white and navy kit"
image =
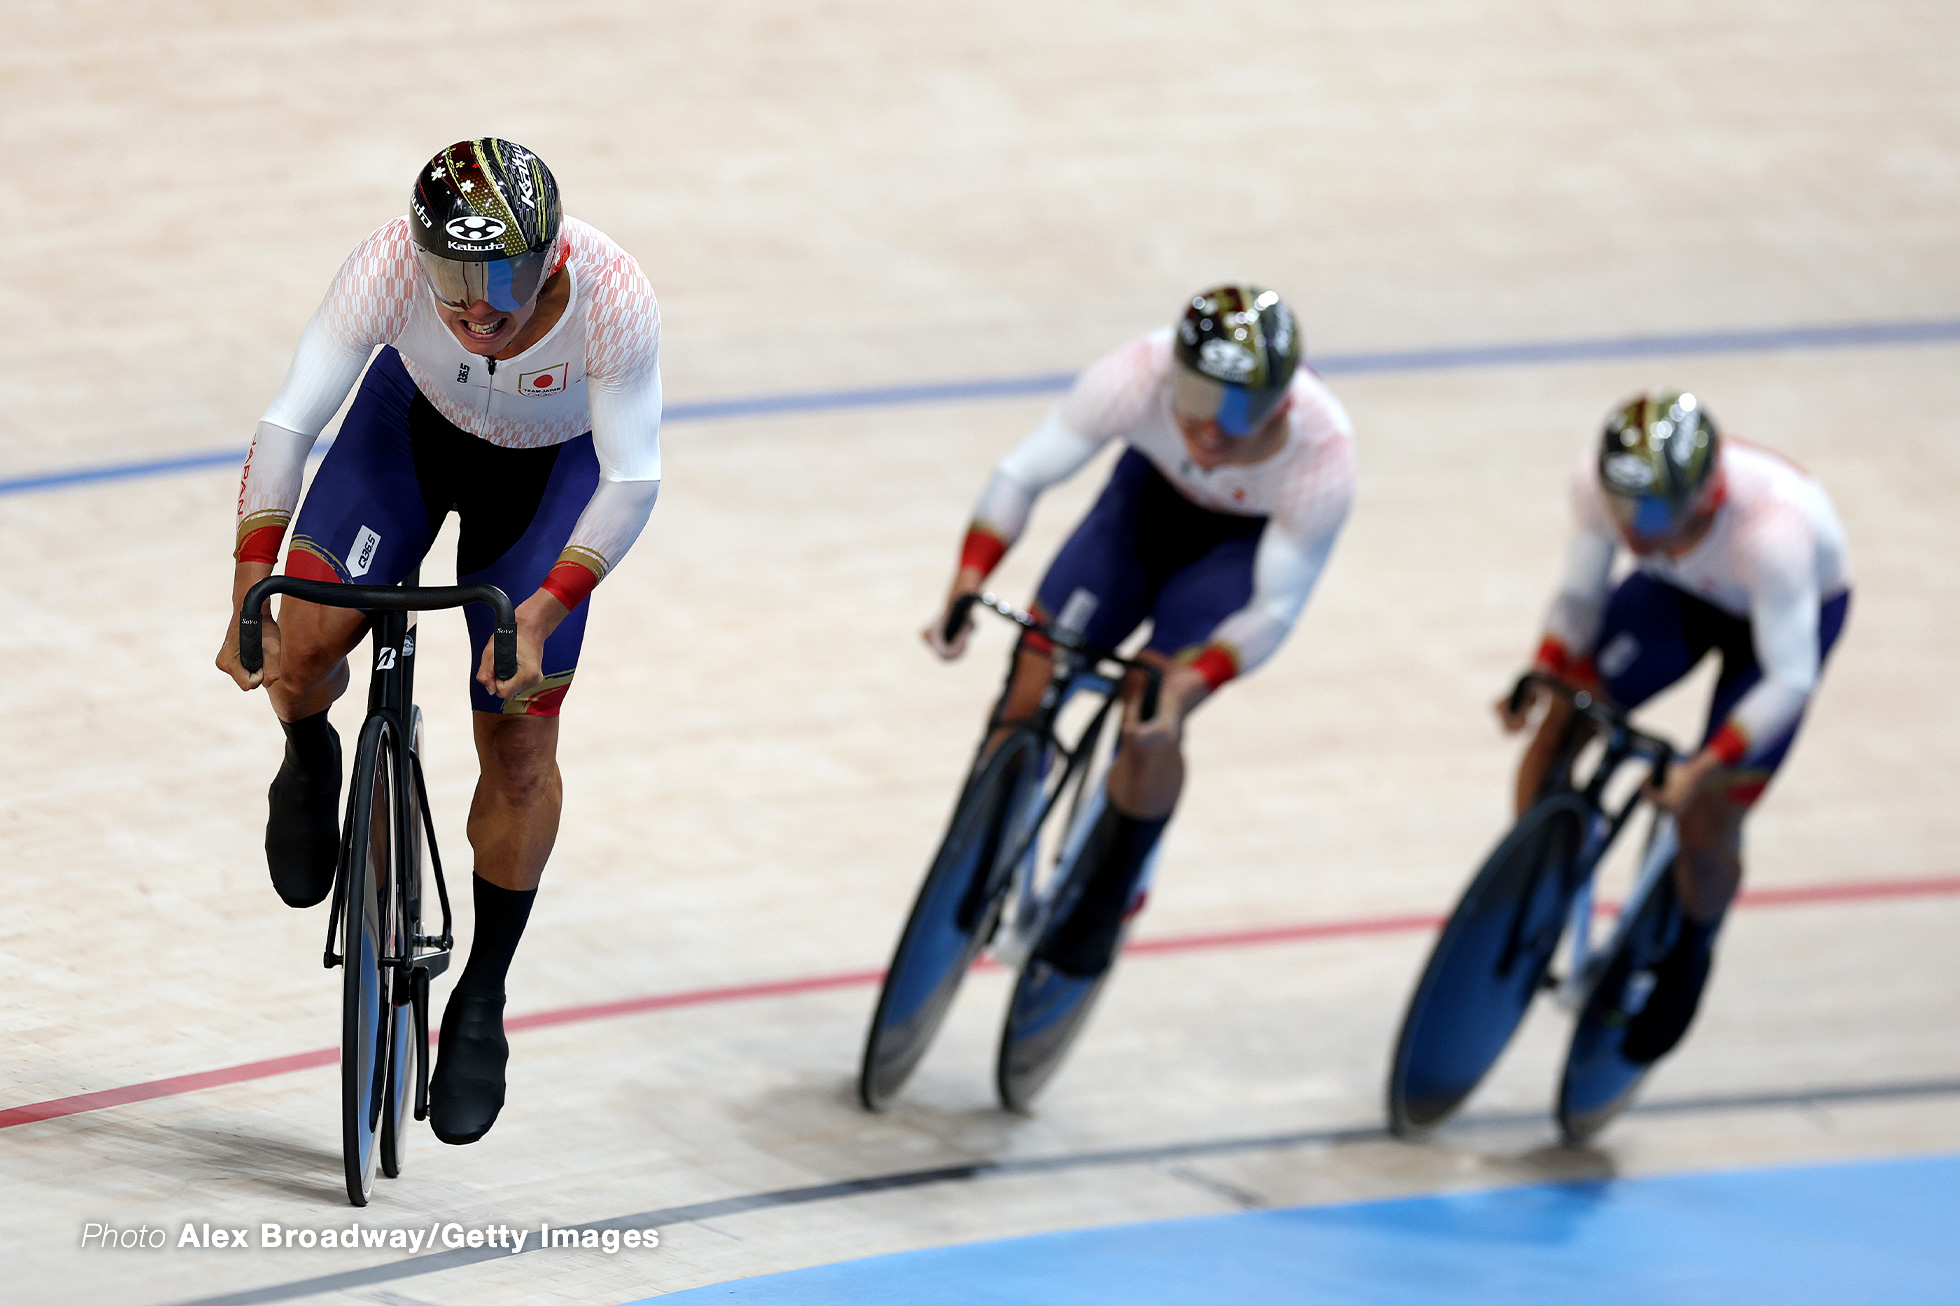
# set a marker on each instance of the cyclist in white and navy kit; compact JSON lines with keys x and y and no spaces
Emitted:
{"x":1214,"y":527}
{"x":1735,"y":551}
{"x":508,"y":362}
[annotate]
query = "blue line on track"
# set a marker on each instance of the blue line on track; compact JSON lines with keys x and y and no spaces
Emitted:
{"x":1857,"y":336}
{"x":1833,"y":1235}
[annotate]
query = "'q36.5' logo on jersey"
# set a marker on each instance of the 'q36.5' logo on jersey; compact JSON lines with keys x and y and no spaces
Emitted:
{"x":545,"y":381}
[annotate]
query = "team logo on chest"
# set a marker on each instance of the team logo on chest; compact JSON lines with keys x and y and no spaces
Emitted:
{"x":548,"y":381}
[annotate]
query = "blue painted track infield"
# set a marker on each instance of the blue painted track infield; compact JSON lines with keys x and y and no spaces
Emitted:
{"x":1883,"y":1232}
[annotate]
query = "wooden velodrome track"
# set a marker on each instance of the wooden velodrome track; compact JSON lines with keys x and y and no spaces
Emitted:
{"x":758,"y":754}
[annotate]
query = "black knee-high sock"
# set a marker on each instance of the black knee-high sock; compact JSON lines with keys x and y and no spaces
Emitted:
{"x":310,"y":744}
{"x":500,"y":917}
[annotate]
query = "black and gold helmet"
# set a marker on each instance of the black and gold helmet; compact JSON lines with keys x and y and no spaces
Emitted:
{"x":485,"y":219}
{"x":1658,"y":458}
{"x":1237,"y":348}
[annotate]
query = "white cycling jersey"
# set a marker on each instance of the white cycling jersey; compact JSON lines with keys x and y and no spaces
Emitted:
{"x":1773,"y":555}
{"x":1304,"y":490}
{"x":597,"y":369}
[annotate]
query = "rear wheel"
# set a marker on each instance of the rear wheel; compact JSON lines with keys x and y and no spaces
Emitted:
{"x":956,"y":911}
{"x":1487,"y":965}
{"x":368,"y":920}
{"x":1600,"y":1080}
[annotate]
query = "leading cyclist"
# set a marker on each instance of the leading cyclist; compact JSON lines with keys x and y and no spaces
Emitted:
{"x":1738,"y":551}
{"x":517,"y":384}
{"x":1214,"y":527}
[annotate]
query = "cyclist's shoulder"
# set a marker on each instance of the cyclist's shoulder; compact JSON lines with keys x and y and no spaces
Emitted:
{"x":1116,"y":392}
{"x":620,"y":311}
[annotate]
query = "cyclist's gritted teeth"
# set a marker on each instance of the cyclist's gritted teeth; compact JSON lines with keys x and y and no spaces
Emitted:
{"x":484,"y":330}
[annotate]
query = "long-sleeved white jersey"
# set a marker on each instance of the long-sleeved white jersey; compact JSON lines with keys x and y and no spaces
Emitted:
{"x":1773,"y":555}
{"x":597,"y":369}
{"x":1304,"y":490}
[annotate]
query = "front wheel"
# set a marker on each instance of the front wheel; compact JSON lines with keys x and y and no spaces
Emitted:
{"x":955,"y":914}
{"x":1487,"y":965}
{"x":367,"y":922}
{"x":1600,"y":1079}
{"x":406,"y":1052}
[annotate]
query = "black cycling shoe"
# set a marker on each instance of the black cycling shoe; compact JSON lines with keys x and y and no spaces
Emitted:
{"x":302,"y":831}
{"x":1083,"y":944}
{"x":1670,"y":1007}
{"x":467,"y":1090}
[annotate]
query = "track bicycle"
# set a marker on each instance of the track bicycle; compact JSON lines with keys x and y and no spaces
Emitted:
{"x":376,"y":916}
{"x":1007,"y":868}
{"x":1496,"y":952}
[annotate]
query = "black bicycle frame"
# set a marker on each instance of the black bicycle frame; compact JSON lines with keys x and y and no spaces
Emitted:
{"x":1072,"y":658}
{"x":391,"y":695}
{"x":1623,"y":742}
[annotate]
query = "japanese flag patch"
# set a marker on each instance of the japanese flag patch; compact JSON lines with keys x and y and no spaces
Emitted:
{"x":548,"y":381}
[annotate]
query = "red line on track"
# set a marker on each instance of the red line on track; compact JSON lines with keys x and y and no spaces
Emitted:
{"x":1927,"y":887}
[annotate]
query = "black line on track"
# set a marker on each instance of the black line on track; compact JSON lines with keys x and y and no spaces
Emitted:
{"x":780,"y":1197}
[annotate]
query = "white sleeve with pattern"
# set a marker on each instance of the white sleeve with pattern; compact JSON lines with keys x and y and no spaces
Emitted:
{"x":1784,"y":603}
{"x":1293,"y":551}
{"x":623,"y":387}
{"x":1051,"y":453}
{"x":1107,"y":399}
{"x":1579,"y":608}
{"x":366,"y":305}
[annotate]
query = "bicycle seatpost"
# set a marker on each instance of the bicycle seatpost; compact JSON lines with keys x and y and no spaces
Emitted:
{"x":377,"y":598}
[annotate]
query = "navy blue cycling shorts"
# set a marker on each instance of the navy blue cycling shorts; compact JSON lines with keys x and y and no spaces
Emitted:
{"x":398,"y":468}
{"x":1145,"y":552}
{"x":1656,"y":633}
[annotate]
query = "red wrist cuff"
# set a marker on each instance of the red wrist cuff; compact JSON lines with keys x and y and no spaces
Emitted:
{"x":1730,"y":744}
{"x":1556,"y":660}
{"x":571,"y":583}
{"x":982,"y":550}
{"x":261,"y":545}
{"x":1217,"y":664}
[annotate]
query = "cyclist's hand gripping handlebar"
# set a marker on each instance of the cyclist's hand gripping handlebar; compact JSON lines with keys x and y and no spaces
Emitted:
{"x":1153,"y":679}
{"x":956,"y":617}
{"x":371,"y":598}
{"x":1655,"y":749}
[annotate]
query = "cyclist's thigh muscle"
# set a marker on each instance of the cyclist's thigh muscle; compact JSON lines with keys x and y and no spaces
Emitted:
{"x":1205,"y":590}
{"x":1098,"y":585}
{"x":1653,"y":635}
{"x":366,"y":519}
{"x":518,"y":507}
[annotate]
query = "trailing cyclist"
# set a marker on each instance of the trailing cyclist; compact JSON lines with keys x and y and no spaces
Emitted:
{"x":517,"y":384}
{"x":1737,"y":551}
{"x":1214,"y":527}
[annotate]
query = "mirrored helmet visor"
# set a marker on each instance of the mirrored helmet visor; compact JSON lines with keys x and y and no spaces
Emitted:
{"x":1238,"y":410}
{"x":506,"y":284}
{"x":1648,"y":516}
